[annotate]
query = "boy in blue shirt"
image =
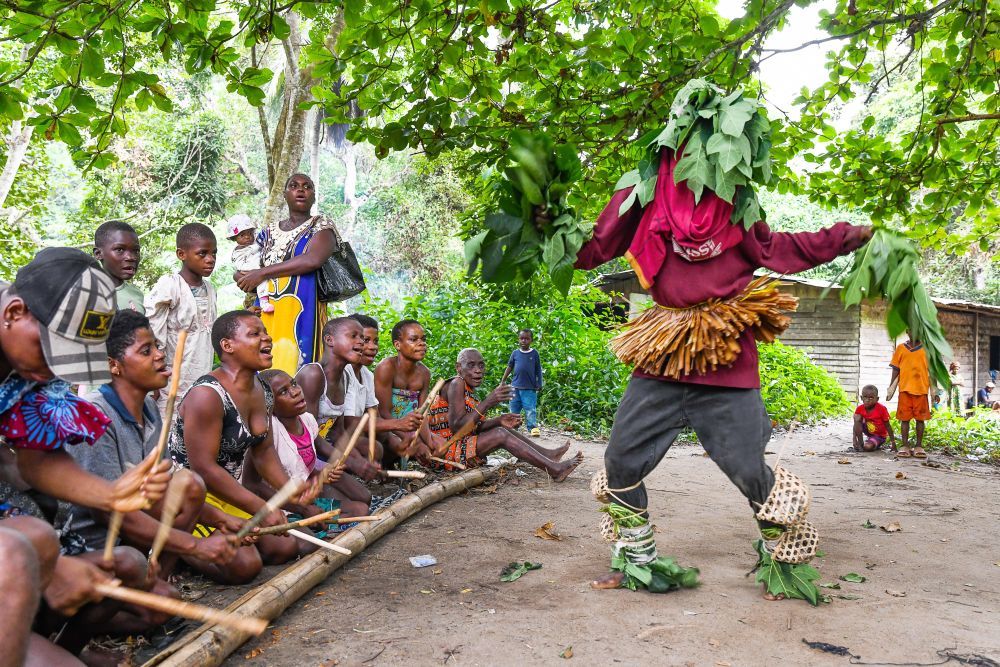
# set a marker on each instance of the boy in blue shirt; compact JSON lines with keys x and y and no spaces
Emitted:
{"x":526,"y":367}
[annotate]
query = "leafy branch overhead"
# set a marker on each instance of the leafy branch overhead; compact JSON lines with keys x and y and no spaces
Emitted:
{"x":725,"y":145}
{"x":535,"y":225}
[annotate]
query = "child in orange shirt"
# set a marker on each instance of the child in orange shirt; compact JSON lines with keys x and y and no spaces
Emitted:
{"x":909,"y":369}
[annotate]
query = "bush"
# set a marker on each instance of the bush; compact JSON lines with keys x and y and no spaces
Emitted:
{"x":978,"y":436}
{"x":796,"y":389}
{"x":583,"y":380}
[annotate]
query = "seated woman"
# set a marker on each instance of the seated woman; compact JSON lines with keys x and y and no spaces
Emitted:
{"x":402,"y":382}
{"x":224,"y":419}
{"x":138,"y":367}
{"x":457,"y":406}
{"x":296,"y":433}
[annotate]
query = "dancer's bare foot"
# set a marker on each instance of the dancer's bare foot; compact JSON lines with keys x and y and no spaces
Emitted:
{"x":558,"y":452}
{"x":771,"y":597}
{"x":608,"y":581}
{"x":566,"y":467}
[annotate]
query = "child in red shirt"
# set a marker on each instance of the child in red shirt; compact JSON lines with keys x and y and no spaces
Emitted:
{"x":871,"y":422}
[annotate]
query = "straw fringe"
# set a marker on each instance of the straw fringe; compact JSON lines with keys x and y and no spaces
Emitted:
{"x":674,"y":342}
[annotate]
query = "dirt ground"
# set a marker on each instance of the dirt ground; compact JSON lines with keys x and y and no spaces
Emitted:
{"x":934,"y":585}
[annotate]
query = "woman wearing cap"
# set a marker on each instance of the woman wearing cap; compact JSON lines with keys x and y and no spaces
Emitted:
{"x":293,"y":249}
{"x":54,"y":320}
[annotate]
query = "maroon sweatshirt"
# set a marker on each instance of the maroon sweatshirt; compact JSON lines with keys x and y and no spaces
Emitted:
{"x":681,"y":283}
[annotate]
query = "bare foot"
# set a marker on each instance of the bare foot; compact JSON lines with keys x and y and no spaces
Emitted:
{"x":567,"y":467}
{"x":772,"y":598}
{"x":558,"y":452}
{"x":608,"y":581}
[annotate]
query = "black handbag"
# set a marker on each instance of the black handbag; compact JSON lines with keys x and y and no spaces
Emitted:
{"x":340,"y":277}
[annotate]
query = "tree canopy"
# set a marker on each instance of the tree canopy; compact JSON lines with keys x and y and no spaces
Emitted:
{"x":457,"y":77}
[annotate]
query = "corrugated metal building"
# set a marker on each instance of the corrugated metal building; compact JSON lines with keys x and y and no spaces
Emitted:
{"x":852,"y":343}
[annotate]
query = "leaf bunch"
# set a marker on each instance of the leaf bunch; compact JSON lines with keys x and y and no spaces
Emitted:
{"x":724,"y":143}
{"x":661,"y":575}
{"x":886,"y":268}
{"x":535,"y":226}
{"x":791,"y":581}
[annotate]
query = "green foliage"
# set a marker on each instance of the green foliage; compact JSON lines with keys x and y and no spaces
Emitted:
{"x":796,"y":390}
{"x":535,"y":225}
{"x":408,"y":230}
{"x":583,"y":380}
{"x":977,"y":435}
{"x":661,"y":575}
{"x":596,"y":74}
{"x":792,"y":581}
{"x":74,"y":70}
{"x":726,"y":142}
{"x":886,"y":268}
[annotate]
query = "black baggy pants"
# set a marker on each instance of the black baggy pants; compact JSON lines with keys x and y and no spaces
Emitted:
{"x":731,"y":424}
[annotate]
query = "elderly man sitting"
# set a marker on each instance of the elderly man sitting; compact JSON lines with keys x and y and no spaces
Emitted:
{"x":456,"y":410}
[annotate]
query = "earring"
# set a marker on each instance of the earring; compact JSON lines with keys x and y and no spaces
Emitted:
{"x":6,"y":325}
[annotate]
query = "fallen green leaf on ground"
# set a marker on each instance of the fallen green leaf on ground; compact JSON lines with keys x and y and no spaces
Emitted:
{"x":868,"y":524}
{"x":853,"y":577}
{"x":516,"y":570}
{"x":834,"y":586}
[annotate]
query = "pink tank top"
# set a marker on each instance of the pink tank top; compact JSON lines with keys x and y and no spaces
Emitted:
{"x":304,"y":444}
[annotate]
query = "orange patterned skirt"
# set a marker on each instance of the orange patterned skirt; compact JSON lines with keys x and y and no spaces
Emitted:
{"x":463,"y":451}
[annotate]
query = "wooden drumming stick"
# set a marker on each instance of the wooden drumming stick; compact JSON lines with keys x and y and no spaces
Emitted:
{"x":469,"y":427}
{"x":410,"y":474}
{"x":318,"y":542}
{"x":290,"y":488}
{"x":115,"y":523}
{"x":455,"y":464}
{"x":422,"y":410}
{"x":331,"y":465}
{"x":196,"y":612}
{"x":171,"y":505}
{"x":302,"y":523}
{"x":372,"y":419}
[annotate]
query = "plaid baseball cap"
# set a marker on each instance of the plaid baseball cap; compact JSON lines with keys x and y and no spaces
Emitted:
{"x":239,"y":223}
{"x":73,"y":300}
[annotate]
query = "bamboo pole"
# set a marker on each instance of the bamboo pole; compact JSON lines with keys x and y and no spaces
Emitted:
{"x":359,"y":519}
{"x":302,"y":523}
{"x":210,"y":646}
{"x":197,"y":612}
{"x":115,"y":523}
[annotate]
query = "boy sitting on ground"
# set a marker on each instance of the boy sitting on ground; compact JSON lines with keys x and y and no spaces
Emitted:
{"x":296,"y":434}
{"x":871,"y":422}
{"x":456,"y":406}
{"x":138,"y":367}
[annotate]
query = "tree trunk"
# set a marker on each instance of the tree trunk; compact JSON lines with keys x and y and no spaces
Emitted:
{"x":349,"y":157}
{"x":292,"y":129}
{"x":314,"y":146}
{"x":17,"y":148}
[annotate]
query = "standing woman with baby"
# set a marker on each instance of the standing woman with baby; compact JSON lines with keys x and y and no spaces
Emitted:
{"x":291,"y":252}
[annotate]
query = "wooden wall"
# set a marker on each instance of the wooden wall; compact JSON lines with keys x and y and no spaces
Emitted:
{"x":827,"y":332}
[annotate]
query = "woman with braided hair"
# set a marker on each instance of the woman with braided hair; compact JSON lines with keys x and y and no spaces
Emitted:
{"x":699,"y":269}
